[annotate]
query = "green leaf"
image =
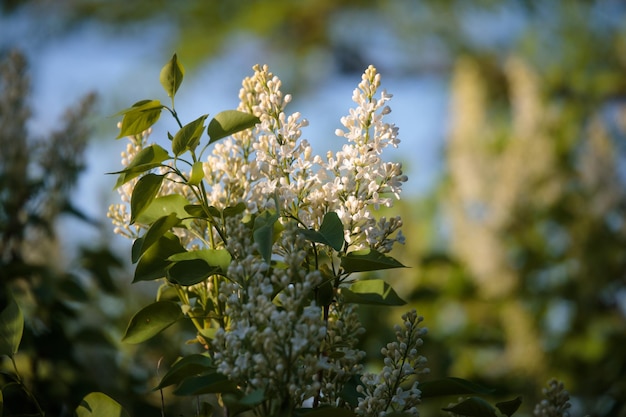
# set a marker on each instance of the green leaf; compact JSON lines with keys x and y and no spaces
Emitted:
{"x":264,"y":233}
{"x":152,"y":265}
{"x":330,"y":233}
{"x":196,"y":211}
{"x":228,"y":122}
{"x":188,"y":137}
{"x":1,"y":403}
{"x":452,"y":386}
{"x":148,"y":158}
{"x":11,"y":328}
{"x":171,"y":76}
{"x":190,"y":268}
{"x":206,"y":384}
{"x":197,"y":173}
{"x":164,"y":206}
{"x":508,"y":408}
{"x":140,"y":117}
{"x":151,"y":320}
{"x":152,"y":235}
{"x":191,"y":365}
{"x":144,"y":193}
{"x":215,"y":257}
{"x":372,"y":291}
{"x":234,"y":210}
{"x":97,"y":404}
{"x":368,"y":260}
{"x":473,"y":407}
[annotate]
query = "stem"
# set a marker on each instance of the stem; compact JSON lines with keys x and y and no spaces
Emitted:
{"x":30,"y":395}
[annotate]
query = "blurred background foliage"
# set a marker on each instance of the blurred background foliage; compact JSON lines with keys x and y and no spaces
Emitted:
{"x":517,"y":255}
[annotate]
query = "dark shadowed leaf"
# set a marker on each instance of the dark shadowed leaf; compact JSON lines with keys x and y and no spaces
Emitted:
{"x":206,"y":384}
{"x":97,"y":404}
{"x":140,"y":117}
{"x":153,"y":263}
{"x":190,"y":272}
{"x":473,"y":407}
{"x":228,"y":122}
{"x":188,"y":137}
{"x":151,"y":320}
{"x":144,"y":193}
{"x":264,"y":233}
{"x":11,"y":327}
{"x":368,"y":260}
{"x":452,"y":386}
{"x":508,"y":408}
{"x":330,"y":233}
{"x":191,"y":365}
{"x":152,"y":235}
{"x":171,"y":76}
{"x":372,"y":291}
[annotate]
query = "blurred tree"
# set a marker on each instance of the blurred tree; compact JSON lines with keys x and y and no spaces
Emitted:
{"x":533,"y":284}
{"x":72,"y":328}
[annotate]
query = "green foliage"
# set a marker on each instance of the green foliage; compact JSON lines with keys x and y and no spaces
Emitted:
{"x":97,"y":404}
{"x":229,"y":122}
{"x":151,"y":320}
{"x":11,"y":328}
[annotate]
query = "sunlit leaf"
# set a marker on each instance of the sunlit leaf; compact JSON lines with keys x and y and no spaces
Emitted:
{"x":197,"y":173}
{"x":473,"y":407}
{"x":151,"y":320}
{"x":152,"y":265}
{"x":156,"y":230}
{"x":330,"y":233}
{"x":368,"y":260}
{"x":140,"y":117}
{"x":171,"y":76}
{"x":97,"y":404}
{"x":148,"y":158}
{"x":228,"y":122}
{"x":188,"y":137}
{"x":164,"y":206}
{"x":191,"y":365}
{"x":508,"y":408}
{"x":215,"y":257}
{"x":144,"y":193}
{"x":372,"y":291}
{"x":452,"y":386}
{"x":11,"y":328}
{"x":206,"y":384}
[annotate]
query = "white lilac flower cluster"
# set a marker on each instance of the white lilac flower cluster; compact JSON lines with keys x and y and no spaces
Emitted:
{"x":272,"y":333}
{"x":556,"y":401}
{"x":385,"y":390}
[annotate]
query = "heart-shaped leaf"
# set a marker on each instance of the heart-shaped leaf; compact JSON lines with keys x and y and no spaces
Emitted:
{"x":144,"y":193}
{"x":151,"y":320}
{"x":372,"y":291}
{"x":97,"y":404}
{"x":368,"y":260}
{"x":188,"y":137}
{"x":140,"y":117}
{"x":171,"y":76}
{"x":228,"y":122}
